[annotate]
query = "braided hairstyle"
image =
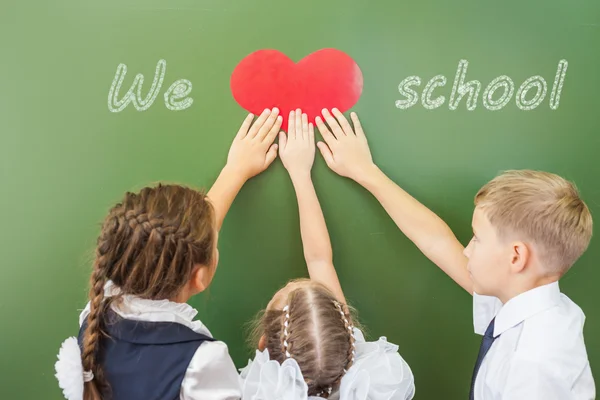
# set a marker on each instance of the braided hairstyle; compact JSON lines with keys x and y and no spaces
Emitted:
{"x":149,"y":246}
{"x":309,"y":325}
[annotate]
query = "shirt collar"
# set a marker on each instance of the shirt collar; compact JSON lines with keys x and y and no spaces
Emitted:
{"x":515,"y":311}
{"x":138,"y":309}
{"x":526,"y":305}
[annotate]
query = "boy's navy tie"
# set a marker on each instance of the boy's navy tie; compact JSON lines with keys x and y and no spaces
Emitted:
{"x":486,"y":343}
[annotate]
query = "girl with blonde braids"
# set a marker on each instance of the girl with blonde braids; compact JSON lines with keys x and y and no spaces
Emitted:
{"x":138,"y":339}
{"x":308,"y":343}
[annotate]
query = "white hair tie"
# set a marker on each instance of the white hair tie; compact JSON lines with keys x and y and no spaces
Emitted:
{"x":88,"y":376}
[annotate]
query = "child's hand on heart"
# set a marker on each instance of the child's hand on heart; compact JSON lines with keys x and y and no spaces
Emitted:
{"x":252,"y":150}
{"x":345,"y":150}
{"x":297,"y":149}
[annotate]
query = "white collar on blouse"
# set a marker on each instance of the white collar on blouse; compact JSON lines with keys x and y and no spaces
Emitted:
{"x":526,"y":305}
{"x":138,"y":309}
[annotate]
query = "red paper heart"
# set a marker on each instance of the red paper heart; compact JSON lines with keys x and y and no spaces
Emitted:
{"x":327,"y":78}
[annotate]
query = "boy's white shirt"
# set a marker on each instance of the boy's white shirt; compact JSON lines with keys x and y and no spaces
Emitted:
{"x":540,"y":352}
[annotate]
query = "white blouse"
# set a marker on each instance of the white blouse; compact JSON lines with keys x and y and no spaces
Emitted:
{"x":211,"y":374}
{"x":378,"y":373}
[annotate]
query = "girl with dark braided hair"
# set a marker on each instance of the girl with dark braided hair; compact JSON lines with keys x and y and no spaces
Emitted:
{"x":138,"y":339}
{"x":309,"y":345}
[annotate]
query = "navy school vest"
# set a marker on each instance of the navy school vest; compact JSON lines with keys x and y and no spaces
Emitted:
{"x":145,"y":360}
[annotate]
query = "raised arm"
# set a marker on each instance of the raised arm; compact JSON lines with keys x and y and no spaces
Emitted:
{"x":346,"y":152}
{"x":251,"y":152}
{"x":297,"y":152}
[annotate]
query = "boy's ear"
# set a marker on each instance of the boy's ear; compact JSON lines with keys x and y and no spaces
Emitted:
{"x":520,"y":256}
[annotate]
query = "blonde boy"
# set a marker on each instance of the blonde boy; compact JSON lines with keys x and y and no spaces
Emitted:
{"x":529,"y":228}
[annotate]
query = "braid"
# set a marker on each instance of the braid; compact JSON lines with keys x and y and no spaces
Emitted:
{"x":168,"y":246}
{"x":93,"y":327}
{"x":140,"y":219}
{"x":137,"y":219}
{"x":93,"y":331}
{"x":348,"y":325}
{"x":284,"y":338}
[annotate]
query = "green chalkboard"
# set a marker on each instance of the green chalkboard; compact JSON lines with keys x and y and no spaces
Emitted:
{"x":66,"y":158}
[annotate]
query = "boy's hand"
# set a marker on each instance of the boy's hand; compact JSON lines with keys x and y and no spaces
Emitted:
{"x":345,"y":150}
{"x":297,"y":149}
{"x":252,"y":150}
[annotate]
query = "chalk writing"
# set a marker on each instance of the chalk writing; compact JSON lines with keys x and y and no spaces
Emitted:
{"x":496,"y":95}
{"x":176,"y":97}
